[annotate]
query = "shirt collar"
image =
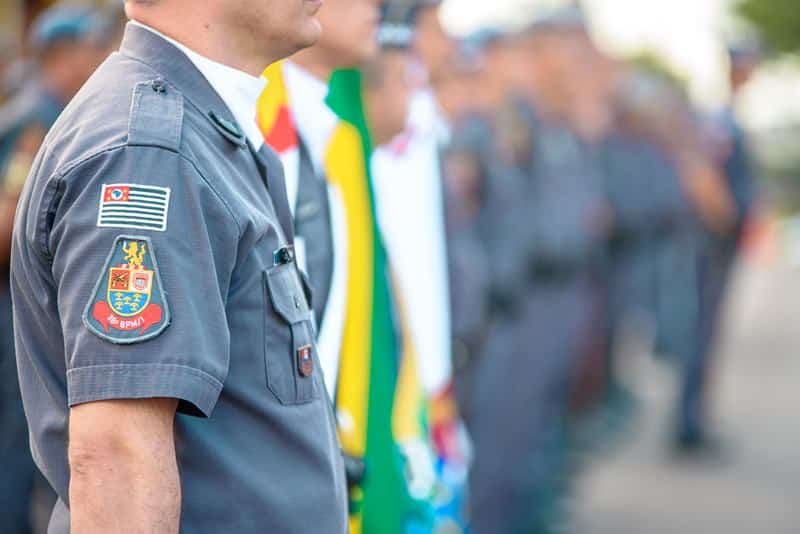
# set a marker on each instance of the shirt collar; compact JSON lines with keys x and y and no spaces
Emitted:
{"x":239,"y":90}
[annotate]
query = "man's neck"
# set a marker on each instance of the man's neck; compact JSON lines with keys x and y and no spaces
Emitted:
{"x":314,"y":61}
{"x":205,"y":37}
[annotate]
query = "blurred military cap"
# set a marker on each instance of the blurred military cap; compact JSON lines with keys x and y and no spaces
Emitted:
{"x":745,"y":51}
{"x":67,"y":22}
{"x":397,"y":24}
{"x":565,"y":18}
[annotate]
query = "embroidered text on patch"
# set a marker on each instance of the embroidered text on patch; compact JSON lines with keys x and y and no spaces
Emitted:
{"x":134,"y":206}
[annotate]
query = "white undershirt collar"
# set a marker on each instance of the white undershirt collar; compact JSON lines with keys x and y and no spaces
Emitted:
{"x":240,"y":91}
{"x":315,"y":121}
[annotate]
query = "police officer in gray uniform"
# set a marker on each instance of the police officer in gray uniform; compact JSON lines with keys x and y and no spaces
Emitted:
{"x":517,"y":385}
{"x":715,"y":260}
{"x":164,"y":337}
{"x":566,"y":204}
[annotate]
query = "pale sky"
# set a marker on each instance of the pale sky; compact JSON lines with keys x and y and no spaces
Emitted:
{"x":688,"y":34}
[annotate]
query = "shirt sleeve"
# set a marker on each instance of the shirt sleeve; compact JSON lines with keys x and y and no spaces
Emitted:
{"x":142,"y":251}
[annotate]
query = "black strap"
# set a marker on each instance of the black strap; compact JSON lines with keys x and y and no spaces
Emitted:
{"x":271,"y":169}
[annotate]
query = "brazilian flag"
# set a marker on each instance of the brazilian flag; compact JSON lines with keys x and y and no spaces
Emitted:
{"x":379,"y":402}
{"x":373,"y":342}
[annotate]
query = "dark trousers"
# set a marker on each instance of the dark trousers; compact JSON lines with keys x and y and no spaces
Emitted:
{"x":17,"y":470}
{"x":714,"y":267}
{"x":520,"y":394}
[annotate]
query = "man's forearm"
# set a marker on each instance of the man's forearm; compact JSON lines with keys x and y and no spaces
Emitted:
{"x":124,"y":482}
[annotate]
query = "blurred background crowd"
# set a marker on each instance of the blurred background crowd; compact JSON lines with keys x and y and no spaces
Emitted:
{"x":603,"y":168}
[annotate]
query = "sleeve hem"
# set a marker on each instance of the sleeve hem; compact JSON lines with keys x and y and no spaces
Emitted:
{"x":142,"y":381}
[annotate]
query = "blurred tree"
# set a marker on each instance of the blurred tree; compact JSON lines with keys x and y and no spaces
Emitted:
{"x":778,"y":22}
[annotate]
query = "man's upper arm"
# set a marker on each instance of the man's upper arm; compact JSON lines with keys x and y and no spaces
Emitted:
{"x":141,"y":250}
{"x":123,"y":468}
{"x":95,"y":429}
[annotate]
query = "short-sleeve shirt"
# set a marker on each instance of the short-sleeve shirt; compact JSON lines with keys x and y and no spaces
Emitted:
{"x":149,"y":260}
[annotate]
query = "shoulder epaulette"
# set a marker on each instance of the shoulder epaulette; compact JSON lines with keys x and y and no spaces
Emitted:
{"x":156,"y":117}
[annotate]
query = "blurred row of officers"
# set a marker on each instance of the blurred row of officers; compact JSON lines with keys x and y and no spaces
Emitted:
{"x":479,"y":222}
{"x":586,"y":201}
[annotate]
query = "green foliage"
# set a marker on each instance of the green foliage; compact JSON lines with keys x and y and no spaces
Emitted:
{"x":778,"y":22}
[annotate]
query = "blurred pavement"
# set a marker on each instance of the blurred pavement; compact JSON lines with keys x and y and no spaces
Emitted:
{"x":642,"y":487}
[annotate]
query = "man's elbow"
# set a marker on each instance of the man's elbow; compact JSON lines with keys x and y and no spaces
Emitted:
{"x":99,"y":454}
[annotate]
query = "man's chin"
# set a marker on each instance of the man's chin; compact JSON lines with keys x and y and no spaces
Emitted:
{"x":312,"y":7}
{"x":312,"y":30}
{"x":368,"y":52}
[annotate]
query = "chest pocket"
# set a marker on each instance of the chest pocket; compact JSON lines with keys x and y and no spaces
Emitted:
{"x":291,"y":361}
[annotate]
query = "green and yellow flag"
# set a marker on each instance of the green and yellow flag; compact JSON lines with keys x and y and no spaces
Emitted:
{"x":379,"y":401}
{"x":393,"y":405}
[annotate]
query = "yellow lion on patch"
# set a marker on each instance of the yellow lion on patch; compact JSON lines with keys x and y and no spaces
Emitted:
{"x":134,"y":254}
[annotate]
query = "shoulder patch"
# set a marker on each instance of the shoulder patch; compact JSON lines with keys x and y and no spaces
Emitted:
{"x":133,"y":206}
{"x":128,"y":304}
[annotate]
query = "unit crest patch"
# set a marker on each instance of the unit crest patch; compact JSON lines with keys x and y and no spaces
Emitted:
{"x":128,"y":304}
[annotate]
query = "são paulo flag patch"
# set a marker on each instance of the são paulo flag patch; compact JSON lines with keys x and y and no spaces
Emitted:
{"x":128,"y":304}
{"x":133,"y":206}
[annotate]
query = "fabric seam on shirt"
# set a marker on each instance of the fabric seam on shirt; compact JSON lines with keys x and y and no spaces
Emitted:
{"x":202,"y":400}
{"x":214,"y":381}
{"x":69,"y":167}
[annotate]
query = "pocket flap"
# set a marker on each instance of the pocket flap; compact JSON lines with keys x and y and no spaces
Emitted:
{"x":286,"y":293}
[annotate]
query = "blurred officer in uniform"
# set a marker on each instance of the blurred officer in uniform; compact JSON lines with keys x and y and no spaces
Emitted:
{"x":387,"y":84}
{"x":594,"y":80}
{"x":717,"y":256}
{"x":9,"y":52}
{"x":300,"y":114}
{"x":690,"y":205}
{"x":739,"y":165}
{"x":154,"y":285}
{"x":633,"y":166}
{"x":518,"y":383}
{"x":468,"y":266}
{"x":570,"y":220}
{"x":407,"y":170}
{"x":651,"y":211}
{"x":69,"y":43}
{"x":653,"y":244}
{"x":463,"y":191}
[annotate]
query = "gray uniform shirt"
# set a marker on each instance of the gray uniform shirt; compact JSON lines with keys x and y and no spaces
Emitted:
{"x":144,"y":265}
